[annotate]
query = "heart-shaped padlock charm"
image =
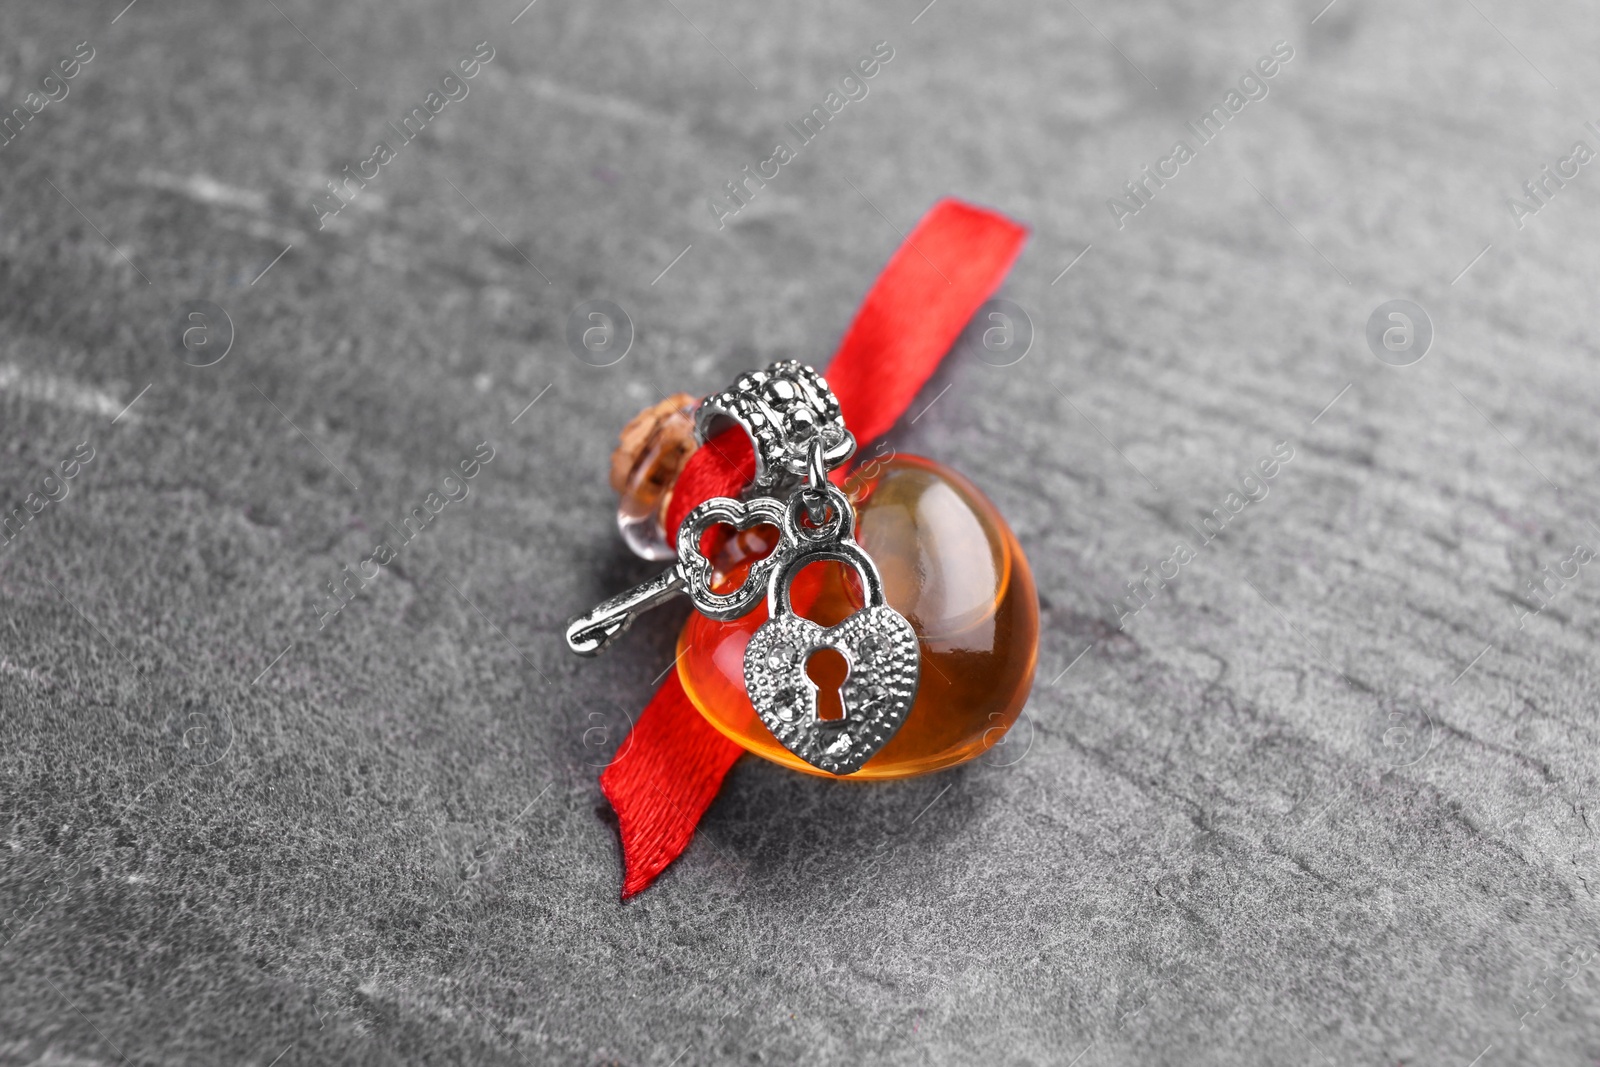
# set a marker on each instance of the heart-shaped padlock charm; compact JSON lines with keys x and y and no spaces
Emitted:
{"x":879,"y":646}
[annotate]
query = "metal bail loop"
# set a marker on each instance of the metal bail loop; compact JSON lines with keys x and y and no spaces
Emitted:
{"x":783,"y":409}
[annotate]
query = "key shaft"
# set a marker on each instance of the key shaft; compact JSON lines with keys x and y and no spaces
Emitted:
{"x":589,"y":633}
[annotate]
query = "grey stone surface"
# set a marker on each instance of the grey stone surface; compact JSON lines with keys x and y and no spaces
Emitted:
{"x":1323,"y":799}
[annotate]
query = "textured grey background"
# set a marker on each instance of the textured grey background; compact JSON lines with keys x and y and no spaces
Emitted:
{"x":1324,"y":800}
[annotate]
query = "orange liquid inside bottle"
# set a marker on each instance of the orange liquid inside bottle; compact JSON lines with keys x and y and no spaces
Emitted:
{"x":950,"y":565}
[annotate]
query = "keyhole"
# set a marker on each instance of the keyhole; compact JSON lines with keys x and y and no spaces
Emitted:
{"x":827,"y":669}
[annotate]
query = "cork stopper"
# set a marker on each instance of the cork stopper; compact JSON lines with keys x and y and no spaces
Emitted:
{"x":651,"y":452}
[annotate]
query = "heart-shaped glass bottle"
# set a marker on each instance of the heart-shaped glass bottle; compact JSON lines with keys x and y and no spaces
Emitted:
{"x":950,"y":565}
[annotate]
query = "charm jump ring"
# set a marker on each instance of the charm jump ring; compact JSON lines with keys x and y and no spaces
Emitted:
{"x":838,"y":517}
{"x":816,"y":500}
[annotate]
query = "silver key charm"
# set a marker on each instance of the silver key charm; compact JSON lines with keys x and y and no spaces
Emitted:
{"x":588,"y":634}
{"x":878,"y":645}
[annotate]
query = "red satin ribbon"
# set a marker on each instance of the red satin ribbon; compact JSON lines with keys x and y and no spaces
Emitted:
{"x":670,"y":767}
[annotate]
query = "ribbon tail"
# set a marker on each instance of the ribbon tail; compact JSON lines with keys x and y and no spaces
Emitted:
{"x":666,"y":774}
{"x":672,"y":764}
{"x":933,"y":284}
